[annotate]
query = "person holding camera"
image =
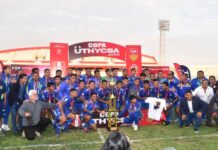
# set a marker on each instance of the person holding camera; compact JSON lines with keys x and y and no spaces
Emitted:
{"x":30,"y":111}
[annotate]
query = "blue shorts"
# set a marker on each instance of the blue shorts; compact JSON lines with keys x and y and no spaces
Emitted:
{"x":78,"y":107}
{"x":57,"y":113}
{"x":2,"y":108}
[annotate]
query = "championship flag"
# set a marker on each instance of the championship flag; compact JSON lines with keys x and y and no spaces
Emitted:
{"x":180,"y":69}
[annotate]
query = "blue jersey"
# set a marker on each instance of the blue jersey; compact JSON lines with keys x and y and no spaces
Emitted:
{"x":2,"y":90}
{"x":196,"y":83}
{"x":65,"y":89}
{"x":81,"y":92}
{"x":88,"y":92}
{"x":68,"y":104}
{"x":145,"y":92}
{"x":87,"y":78}
{"x":90,"y":108}
{"x":169,"y":95}
{"x":45,"y":81}
{"x":157,"y":92}
{"x":182,"y":87}
{"x":38,"y":86}
{"x":120,"y":95}
{"x":104,"y":93}
{"x":49,"y":97}
{"x":97,"y":82}
{"x":132,"y":79}
{"x":78,"y":78}
{"x":173,"y":83}
{"x":131,"y":109}
{"x":7,"y":80}
{"x":162,"y":80}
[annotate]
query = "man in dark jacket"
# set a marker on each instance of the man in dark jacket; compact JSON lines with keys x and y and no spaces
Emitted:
{"x":192,"y":108}
{"x":16,"y":97}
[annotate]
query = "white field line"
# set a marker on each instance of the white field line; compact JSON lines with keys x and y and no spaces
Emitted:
{"x":101,"y":136}
{"x":98,"y":142}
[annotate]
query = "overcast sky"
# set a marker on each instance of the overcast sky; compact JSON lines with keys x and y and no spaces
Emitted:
{"x":192,"y":39}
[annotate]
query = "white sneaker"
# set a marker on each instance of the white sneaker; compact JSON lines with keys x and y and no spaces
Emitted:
{"x":6,"y":127}
{"x":23,"y":134}
{"x":37,"y":134}
{"x":135,"y":127}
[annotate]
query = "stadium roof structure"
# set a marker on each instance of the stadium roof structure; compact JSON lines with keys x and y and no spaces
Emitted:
{"x":41,"y":56}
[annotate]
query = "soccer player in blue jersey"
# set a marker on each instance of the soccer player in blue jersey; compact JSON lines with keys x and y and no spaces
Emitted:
{"x":89,"y":90}
{"x":88,"y":109}
{"x":103,"y":95}
{"x":64,"y":114}
{"x":183,"y":86}
{"x":50,"y":95}
{"x":47,"y":77}
{"x":120,"y":95}
{"x":157,"y":91}
{"x":144,"y":93}
{"x":6,"y":78}
{"x":67,"y":85}
{"x":88,"y":75}
{"x":35,"y":84}
{"x":97,"y":78}
{"x":171,"y":98}
{"x":2,"y":102}
{"x":80,"y":99}
{"x":134,"y":112}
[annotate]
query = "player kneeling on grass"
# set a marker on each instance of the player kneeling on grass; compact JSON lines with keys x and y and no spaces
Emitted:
{"x":134,"y":112}
{"x":92,"y":106}
{"x":64,"y":114}
{"x":191,"y":109}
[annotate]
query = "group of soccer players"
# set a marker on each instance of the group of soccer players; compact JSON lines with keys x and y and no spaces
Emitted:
{"x":88,"y":93}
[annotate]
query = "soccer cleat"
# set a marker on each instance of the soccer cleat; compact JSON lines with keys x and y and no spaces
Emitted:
{"x":58,"y":132}
{"x":196,"y":131}
{"x":6,"y":127}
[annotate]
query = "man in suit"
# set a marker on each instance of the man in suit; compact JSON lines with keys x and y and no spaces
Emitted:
{"x":191,"y":109}
{"x":16,"y":97}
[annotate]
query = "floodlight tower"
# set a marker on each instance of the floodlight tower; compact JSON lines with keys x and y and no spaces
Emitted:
{"x":164,"y":25}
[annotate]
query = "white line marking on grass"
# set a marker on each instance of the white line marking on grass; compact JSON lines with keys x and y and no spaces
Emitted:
{"x":174,"y":138}
{"x":101,"y":136}
{"x":52,"y":145}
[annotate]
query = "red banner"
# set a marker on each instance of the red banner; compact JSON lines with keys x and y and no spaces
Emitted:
{"x":96,"y":48}
{"x":133,"y":58}
{"x":58,"y":57}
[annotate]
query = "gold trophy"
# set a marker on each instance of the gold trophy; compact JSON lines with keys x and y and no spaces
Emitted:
{"x":112,"y":112}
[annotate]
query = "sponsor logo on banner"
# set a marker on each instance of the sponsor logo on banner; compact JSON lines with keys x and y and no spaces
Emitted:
{"x":106,"y":49}
{"x":133,"y":54}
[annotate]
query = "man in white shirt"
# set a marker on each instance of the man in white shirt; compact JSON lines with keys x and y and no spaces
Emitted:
{"x":205,"y":93}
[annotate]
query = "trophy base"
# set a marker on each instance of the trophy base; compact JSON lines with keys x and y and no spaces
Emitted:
{"x":112,"y":128}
